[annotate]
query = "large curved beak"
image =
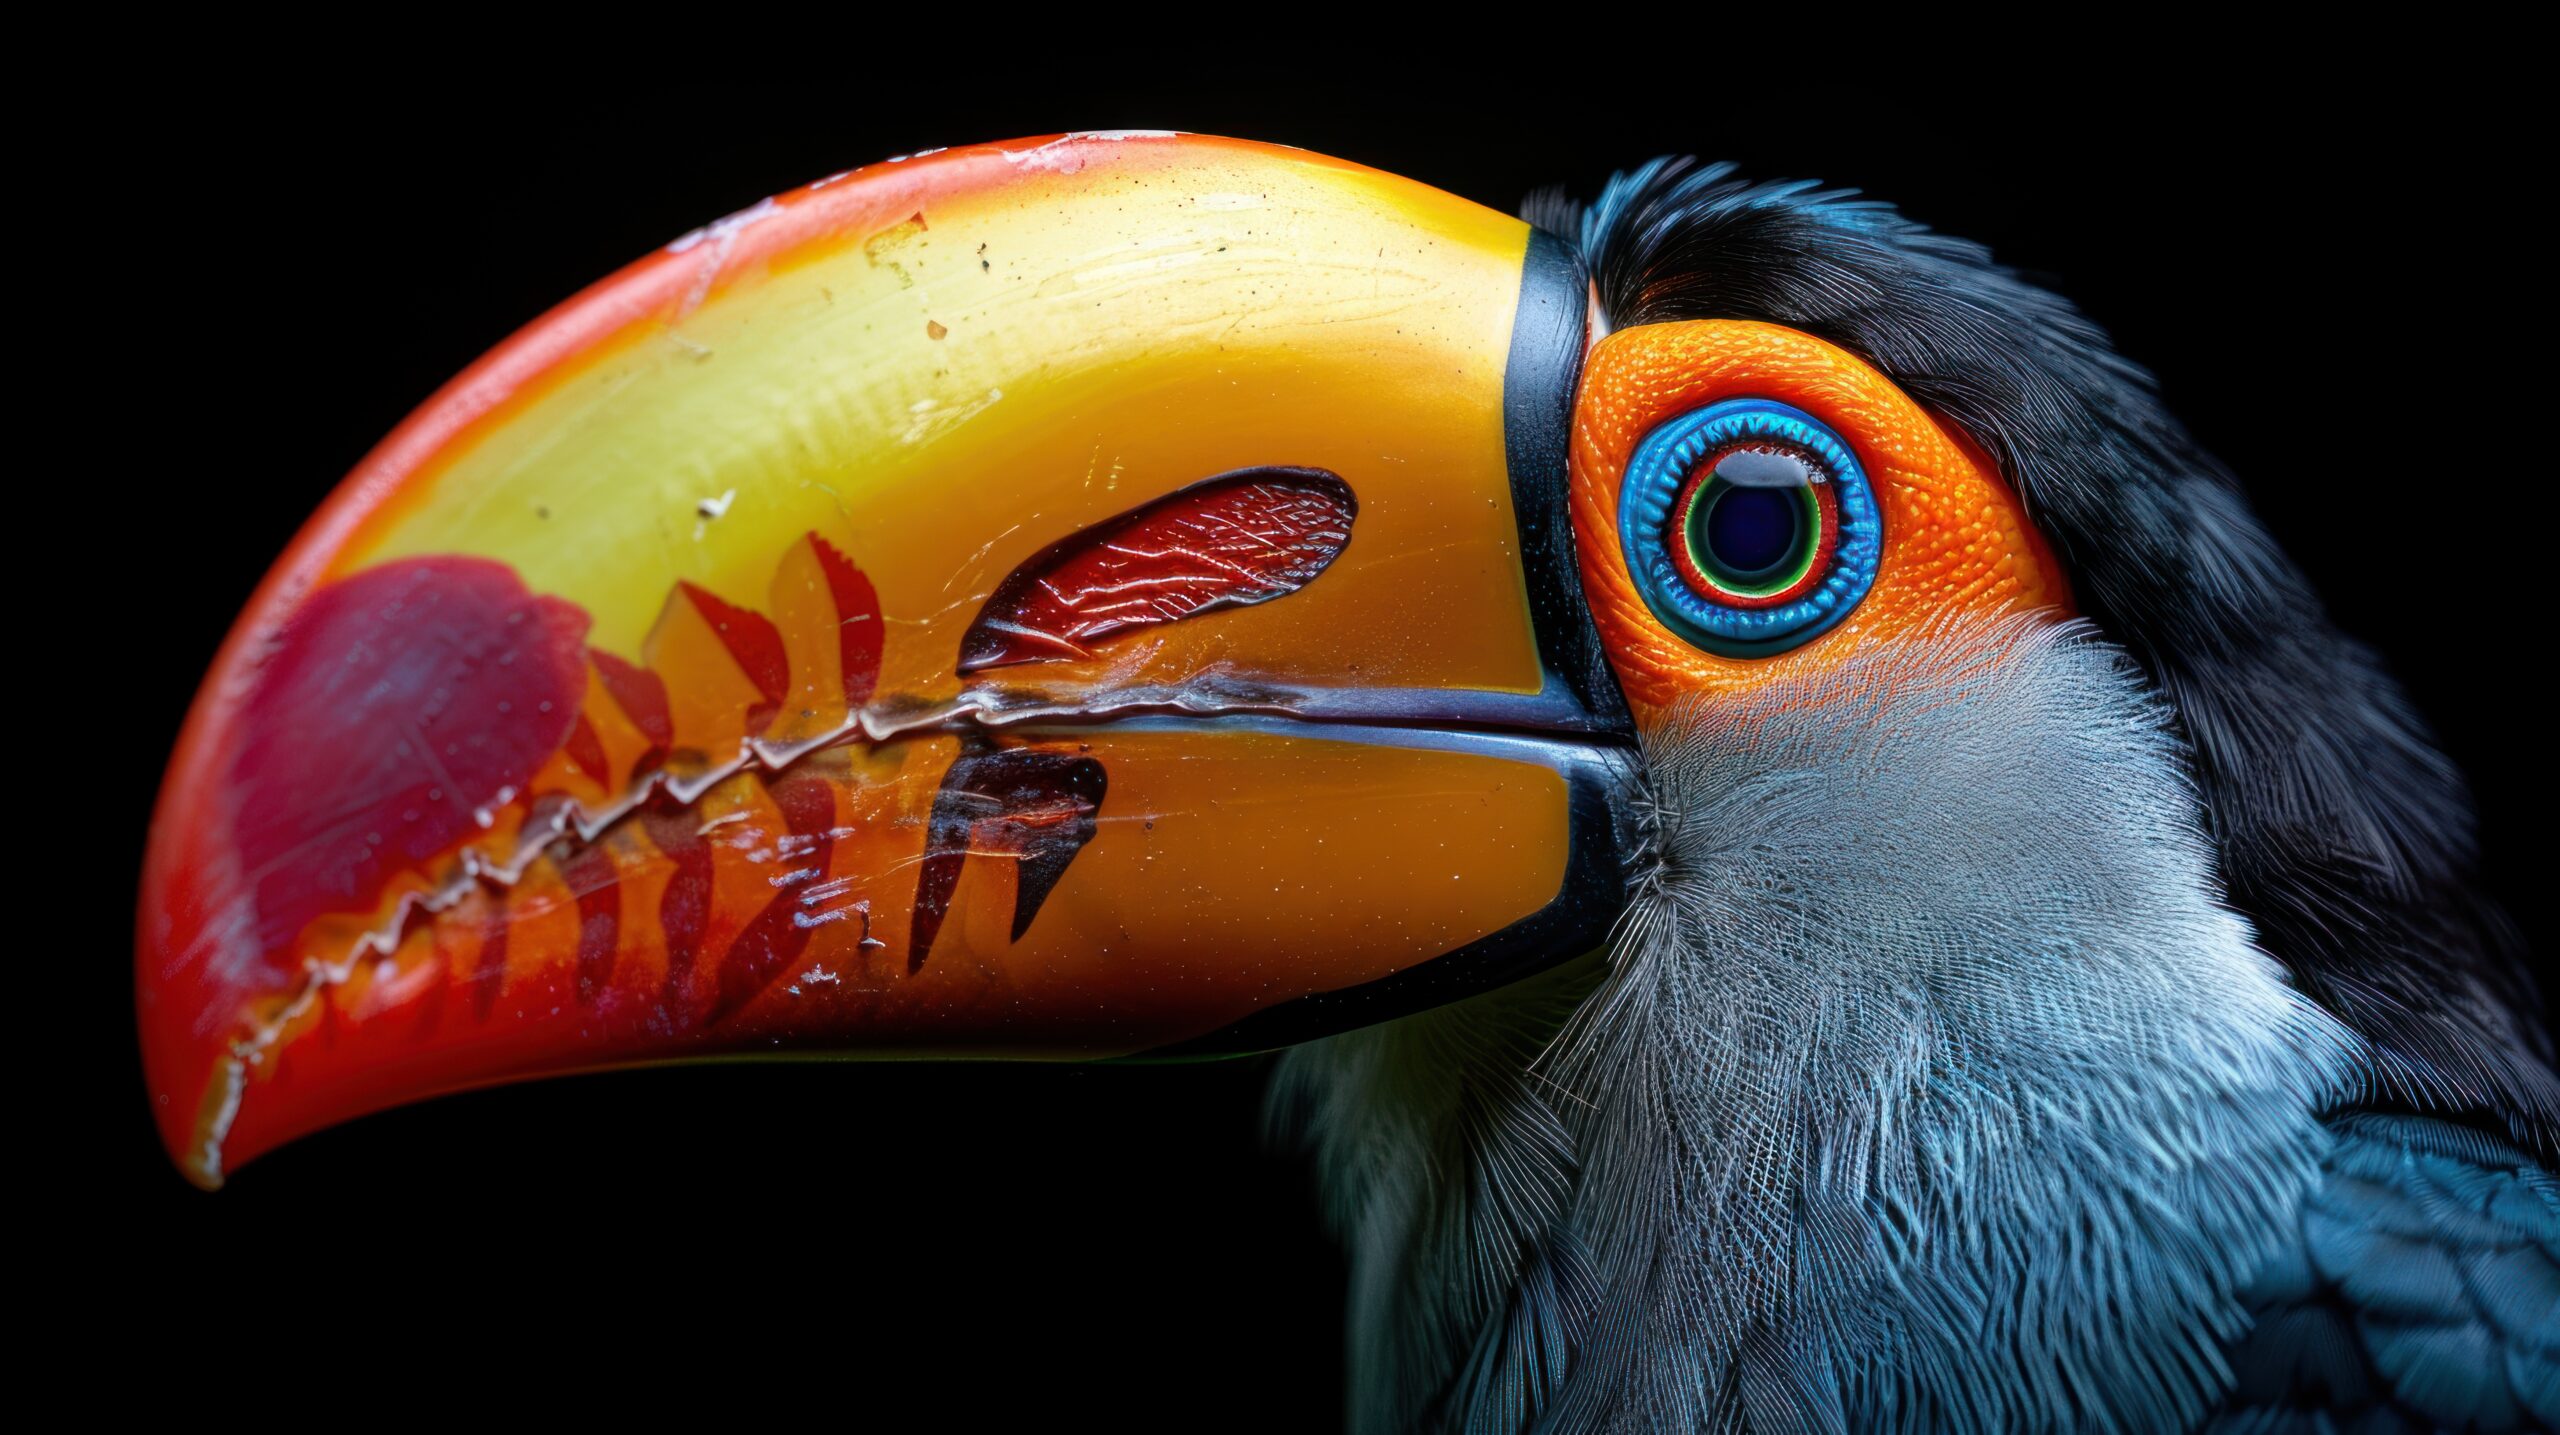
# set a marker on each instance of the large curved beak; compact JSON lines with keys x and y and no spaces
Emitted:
{"x":1091,"y":597}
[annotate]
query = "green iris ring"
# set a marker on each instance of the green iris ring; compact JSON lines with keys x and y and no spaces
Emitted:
{"x":1778,"y":577}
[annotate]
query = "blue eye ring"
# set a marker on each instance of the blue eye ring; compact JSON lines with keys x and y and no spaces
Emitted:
{"x":1655,"y":527}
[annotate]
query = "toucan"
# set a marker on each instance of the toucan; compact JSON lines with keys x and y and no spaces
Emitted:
{"x":1813,"y":865}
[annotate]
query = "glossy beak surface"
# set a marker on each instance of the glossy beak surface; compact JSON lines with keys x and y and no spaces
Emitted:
{"x":1087,"y":597}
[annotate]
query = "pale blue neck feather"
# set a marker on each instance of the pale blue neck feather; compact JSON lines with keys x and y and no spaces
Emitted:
{"x":1928,"y":1087}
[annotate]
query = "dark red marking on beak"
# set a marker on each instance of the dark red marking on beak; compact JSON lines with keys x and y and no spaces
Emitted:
{"x":684,"y":909}
{"x":392,"y":710}
{"x":588,"y":872}
{"x":752,"y":639}
{"x":1036,"y":807}
{"x":642,"y":696}
{"x":1226,"y":542}
{"x":774,"y":939}
{"x":859,"y":629}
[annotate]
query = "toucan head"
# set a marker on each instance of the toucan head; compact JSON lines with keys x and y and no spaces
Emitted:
{"x":1110,"y":596}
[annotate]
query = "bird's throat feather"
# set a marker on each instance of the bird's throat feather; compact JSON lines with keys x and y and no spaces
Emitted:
{"x":1929,"y":1085}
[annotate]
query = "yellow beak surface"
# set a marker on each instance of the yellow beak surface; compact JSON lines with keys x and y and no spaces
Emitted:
{"x":1080,"y":597}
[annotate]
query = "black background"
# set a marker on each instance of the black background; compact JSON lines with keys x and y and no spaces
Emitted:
{"x":2320,"y":258}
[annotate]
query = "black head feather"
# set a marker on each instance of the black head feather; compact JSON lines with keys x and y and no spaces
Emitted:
{"x":2343,"y":832}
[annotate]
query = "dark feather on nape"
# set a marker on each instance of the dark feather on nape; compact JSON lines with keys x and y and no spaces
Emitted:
{"x":2342,"y":831}
{"x":1553,"y":209}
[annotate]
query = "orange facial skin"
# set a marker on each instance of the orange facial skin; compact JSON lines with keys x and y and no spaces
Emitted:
{"x":1956,"y":540}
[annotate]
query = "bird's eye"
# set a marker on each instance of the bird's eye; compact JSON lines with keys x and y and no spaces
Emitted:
{"x":1749,"y":526}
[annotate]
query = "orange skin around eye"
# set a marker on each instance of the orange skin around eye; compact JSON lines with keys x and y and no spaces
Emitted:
{"x":1956,"y":541}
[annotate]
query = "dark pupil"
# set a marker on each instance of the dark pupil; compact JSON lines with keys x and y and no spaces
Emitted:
{"x":1750,"y":517}
{"x":1751,"y":530}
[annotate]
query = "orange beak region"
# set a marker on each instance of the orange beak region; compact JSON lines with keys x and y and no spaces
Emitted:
{"x":1082,"y":598}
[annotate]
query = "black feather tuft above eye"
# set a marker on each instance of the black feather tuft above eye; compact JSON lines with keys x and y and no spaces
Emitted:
{"x":2327,"y":796}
